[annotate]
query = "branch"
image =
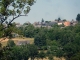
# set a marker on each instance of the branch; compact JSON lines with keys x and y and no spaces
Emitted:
{"x":16,"y":17}
{"x":3,"y":39}
{"x":11,"y":21}
{"x":2,"y":21}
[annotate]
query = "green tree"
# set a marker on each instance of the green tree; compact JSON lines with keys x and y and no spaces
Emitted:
{"x":1,"y":31}
{"x":78,"y":17}
{"x":8,"y":31}
{"x":59,"y":53}
{"x":7,"y":55}
{"x":40,"y":40}
{"x":29,"y":31}
{"x":42,"y":54}
{"x":12,"y":9}
{"x":69,"y":50}
{"x":20,"y":52}
{"x":59,"y":19}
{"x":33,"y":51}
{"x":76,"y":56}
{"x":1,"y":51}
{"x":18,"y":8}
{"x":10,"y":43}
{"x":50,"y":57}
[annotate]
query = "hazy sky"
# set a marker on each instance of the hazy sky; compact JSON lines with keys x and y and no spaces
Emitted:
{"x":51,"y":10}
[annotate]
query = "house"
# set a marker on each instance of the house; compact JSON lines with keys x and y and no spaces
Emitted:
{"x":67,"y":23}
{"x":73,"y":23}
{"x":47,"y":24}
{"x":60,"y":23}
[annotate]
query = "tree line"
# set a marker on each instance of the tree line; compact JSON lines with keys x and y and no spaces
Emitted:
{"x":56,"y":40}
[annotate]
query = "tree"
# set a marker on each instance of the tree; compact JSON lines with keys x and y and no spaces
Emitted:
{"x":69,"y":50}
{"x":42,"y":54}
{"x":29,"y":31}
{"x":59,"y":19}
{"x":12,"y":9}
{"x":42,"y":20}
{"x":1,"y":51}
{"x":10,"y":43}
{"x":20,"y":53}
{"x":40,"y":40}
{"x":1,"y":32}
{"x":76,"y":56}
{"x":78,"y":18}
{"x":59,"y":53}
{"x":33,"y":51}
{"x":8,"y":31}
{"x":50,"y":57}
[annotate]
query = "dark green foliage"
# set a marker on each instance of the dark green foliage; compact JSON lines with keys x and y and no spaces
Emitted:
{"x":10,"y":43}
{"x":50,"y":57}
{"x":40,"y":40}
{"x":76,"y":56}
{"x":42,"y":55}
{"x":78,"y":17}
{"x":67,"y":38}
{"x":1,"y":51}
{"x":28,"y":31}
{"x":59,"y":19}
{"x":59,"y":53}
{"x":12,"y":9}
{"x":33,"y":51}
{"x":20,"y":52}
{"x":1,"y":32}
{"x":60,"y":42}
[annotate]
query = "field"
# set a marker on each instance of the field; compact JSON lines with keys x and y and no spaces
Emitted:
{"x":4,"y":41}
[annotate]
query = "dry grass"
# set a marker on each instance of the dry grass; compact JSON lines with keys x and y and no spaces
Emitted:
{"x":54,"y":58}
{"x":4,"y":41}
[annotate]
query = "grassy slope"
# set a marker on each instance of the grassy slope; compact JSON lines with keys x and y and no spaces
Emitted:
{"x":55,"y":58}
{"x":4,"y":42}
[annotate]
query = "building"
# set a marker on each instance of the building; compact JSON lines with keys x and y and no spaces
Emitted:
{"x":60,"y":23}
{"x":73,"y":23}
{"x":67,"y":23}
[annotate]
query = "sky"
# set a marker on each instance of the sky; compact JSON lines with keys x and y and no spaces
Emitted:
{"x":50,"y":10}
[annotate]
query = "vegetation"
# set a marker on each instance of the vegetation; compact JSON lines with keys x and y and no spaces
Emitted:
{"x":12,"y":9}
{"x":78,"y":18}
{"x":57,"y":41}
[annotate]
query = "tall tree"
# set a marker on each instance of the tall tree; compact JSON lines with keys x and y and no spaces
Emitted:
{"x":33,"y":51}
{"x":78,"y":18}
{"x":1,"y":51}
{"x":42,"y":55}
{"x":10,"y":43}
{"x":59,"y":19}
{"x":12,"y":9}
{"x":40,"y":40}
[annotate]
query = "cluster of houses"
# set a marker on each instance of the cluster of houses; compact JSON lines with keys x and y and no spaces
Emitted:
{"x":51,"y":23}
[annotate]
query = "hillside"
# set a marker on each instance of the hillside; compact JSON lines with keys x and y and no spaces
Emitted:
{"x":4,"y":41}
